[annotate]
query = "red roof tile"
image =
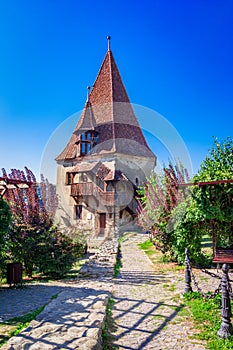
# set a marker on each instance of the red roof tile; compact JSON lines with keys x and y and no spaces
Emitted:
{"x":110,"y":113}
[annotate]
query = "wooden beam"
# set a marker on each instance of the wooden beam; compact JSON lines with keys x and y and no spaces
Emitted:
{"x":204,"y":183}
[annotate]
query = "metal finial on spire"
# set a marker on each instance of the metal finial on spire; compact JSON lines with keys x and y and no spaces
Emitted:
{"x":109,"y":38}
{"x":88,"y":92}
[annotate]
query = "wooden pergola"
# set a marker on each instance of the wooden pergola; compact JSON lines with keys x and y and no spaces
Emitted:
{"x":220,"y":255}
{"x":204,"y":183}
{"x":9,"y":184}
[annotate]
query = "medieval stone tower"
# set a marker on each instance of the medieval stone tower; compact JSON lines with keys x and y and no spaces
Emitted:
{"x":105,"y":160}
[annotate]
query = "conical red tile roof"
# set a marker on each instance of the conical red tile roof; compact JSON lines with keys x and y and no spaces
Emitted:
{"x":109,"y":112}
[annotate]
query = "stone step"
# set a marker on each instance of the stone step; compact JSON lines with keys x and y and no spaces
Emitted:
{"x":94,"y":243}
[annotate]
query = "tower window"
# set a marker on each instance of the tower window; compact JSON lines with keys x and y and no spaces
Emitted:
{"x":83,"y":148}
{"x":88,"y":140}
{"x":78,"y":212}
{"x":69,"y":178}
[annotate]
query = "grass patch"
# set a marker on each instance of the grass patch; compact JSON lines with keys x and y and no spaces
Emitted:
{"x":159,"y":317}
{"x":207,"y":319}
{"x":206,"y":241}
{"x":184,"y":312}
{"x":164,"y":259}
{"x":41,"y":278}
{"x":203,"y":278}
{"x":176,"y":298}
{"x":73,"y":273}
{"x":126,"y":236}
{"x":171,"y":287}
{"x":117,"y":265}
{"x":109,"y":328}
{"x":15,"y":325}
{"x":147,"y":245}
{"x":162,"y":263}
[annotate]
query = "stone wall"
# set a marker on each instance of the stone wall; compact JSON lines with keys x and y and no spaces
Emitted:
{"x":101,"y":264}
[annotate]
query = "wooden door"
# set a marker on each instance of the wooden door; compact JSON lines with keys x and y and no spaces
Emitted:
{"x":102,"y":220}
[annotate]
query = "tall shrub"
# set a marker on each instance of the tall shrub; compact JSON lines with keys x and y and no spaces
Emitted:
{"x":32,"y":239}
{"x":209,"y":207}
{"x":216,"y":201}
{"x":158,"y":197}
{"x":5,"y":220}
{"x":57,"y":253}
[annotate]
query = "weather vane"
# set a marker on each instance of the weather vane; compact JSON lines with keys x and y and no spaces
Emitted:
{"x":109,"y":38}
{"x":88,"y":92}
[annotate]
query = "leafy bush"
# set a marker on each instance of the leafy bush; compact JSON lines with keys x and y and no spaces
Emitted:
{"x":45,"y":248}
{"x":57,"y":253}
{"x":159,"y":196}
{"x":31,"y":239}
{"x":5,"y":220}
{"x":23,"y":243}
{"x":187,"y":231}
{"x":216,"y":202}
{"x":179,"y":219}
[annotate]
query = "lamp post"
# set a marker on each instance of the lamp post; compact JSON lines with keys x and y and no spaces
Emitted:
{"x":226,"y":329}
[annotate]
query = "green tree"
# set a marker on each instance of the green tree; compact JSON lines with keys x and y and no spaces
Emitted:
{"x":56,"y":253}
{"x":188,"y":227}
{"x":5,"y":220}
{"x":32,"y":239}
{"x":179,"y":219}
{"x":159,"y":196}
{"x":208,"y":208}
{"x":23,"y":243}
{"x":216,"y":201}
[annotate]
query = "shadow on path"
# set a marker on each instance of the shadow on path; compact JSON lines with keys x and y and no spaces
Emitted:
{"x":20,"y":301}
{"x":140,"y":277}
{"x":140,"y":319}
{"x":66,"y":321}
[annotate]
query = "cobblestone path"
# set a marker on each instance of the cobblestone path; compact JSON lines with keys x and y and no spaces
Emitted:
{"x":19,"y":302}
{"x":73,"y":320}
{"x":146,"y":312}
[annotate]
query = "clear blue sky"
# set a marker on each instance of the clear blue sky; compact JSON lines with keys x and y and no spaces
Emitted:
{"x":175,"y":57}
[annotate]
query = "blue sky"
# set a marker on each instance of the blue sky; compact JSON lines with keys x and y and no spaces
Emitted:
{"x":175,"y":57}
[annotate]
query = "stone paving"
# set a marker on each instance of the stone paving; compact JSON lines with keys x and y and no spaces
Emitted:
{"x":21,"y":301}
{"x":145,"y":310}
{"x":72,"y":320}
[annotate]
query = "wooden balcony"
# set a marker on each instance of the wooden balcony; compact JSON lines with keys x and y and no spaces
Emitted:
{"x":110,"y":198}
{"x":90,"y":189}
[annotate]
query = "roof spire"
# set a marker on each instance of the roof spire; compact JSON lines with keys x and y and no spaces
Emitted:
{"x":109,"y":38}
{"x":88,"y":92}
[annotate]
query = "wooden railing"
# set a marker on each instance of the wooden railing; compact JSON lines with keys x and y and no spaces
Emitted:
{"x":107,"y":198}
{"x":90,"y":189}
{"x":82,"y":189}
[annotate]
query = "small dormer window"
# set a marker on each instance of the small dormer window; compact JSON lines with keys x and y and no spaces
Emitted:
{"x":88,"y":140}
